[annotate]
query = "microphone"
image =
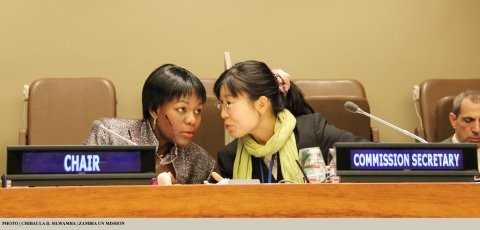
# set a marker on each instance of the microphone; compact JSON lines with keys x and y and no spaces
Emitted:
{"x":351,"y":107}
{"x":305,"y":178}
{"x":354,"y":108}
{"x":100,"y":125}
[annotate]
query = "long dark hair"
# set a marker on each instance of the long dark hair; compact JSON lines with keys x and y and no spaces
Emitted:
{"x":256,"y":79}
{"x":169,"y":82}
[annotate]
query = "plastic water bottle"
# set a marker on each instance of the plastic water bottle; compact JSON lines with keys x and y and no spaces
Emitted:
{"x":332,"y":167}
{"x":313,"y":164}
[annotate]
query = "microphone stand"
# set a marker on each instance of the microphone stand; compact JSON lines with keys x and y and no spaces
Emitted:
{"x":405,"y":132}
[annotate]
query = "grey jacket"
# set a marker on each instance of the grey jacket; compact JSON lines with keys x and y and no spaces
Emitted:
{"x":448,"y":140}
{"x":193,"y":165}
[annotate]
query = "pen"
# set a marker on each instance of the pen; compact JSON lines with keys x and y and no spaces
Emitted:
{"x":130,"y":135}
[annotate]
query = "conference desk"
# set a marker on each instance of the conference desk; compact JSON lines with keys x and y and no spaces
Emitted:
{"x":266,"y":200}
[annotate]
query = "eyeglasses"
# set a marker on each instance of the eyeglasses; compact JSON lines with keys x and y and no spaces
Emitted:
{"x":226,"y":105}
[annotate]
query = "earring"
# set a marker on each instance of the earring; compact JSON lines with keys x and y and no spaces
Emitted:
{"x":154,"y":117}
{"x":154,"y":122}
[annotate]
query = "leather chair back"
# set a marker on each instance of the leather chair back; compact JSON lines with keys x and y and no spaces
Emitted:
{"x":327,"y":97}
{"x":211,"y":134}
{"x":434,"y":105}
{"x":62,"y":110}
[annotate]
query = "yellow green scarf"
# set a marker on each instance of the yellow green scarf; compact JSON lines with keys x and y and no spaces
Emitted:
{"x":282,"y":141}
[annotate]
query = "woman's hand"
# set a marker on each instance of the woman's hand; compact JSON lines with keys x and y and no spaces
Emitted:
{"x":283,"y":79}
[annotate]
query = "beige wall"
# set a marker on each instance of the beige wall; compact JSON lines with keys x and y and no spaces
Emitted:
{"x":388,"y":45}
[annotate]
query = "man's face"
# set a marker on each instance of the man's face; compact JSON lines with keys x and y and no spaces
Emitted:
{"x":467,"y":123}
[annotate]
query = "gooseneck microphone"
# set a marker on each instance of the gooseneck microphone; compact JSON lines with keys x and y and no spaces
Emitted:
{"x":100,"y":125}
{"x":354,"y":108}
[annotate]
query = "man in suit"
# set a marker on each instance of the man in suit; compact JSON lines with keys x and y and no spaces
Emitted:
{"x":465,"y":119}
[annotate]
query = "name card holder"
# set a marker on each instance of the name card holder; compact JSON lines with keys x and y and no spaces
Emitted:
{"x":55,"y":165}
{"x":406,"y":162}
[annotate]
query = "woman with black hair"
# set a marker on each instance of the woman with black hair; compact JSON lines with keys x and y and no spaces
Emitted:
{"x":271,"y":121}
{"x":172,"y":100}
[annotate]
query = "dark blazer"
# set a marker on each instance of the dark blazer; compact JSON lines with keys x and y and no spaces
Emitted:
{"x":312,"y":130}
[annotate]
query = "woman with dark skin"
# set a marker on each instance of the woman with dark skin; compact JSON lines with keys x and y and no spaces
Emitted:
{"x":172,"y":100}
